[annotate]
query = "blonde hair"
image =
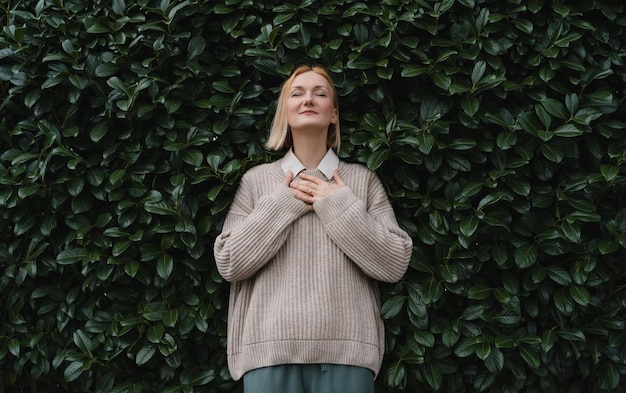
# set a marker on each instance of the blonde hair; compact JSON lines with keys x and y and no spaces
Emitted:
{"x":280,"y":132}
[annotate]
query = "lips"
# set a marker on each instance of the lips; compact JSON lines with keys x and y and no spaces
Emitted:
{"x":308,"y":113}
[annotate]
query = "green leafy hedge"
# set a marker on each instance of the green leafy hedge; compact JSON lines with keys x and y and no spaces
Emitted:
{"x":497,"y":126}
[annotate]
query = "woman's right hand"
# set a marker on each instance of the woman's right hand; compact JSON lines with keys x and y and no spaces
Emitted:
{"x":296,"y":192}
{"x":288,"y":178}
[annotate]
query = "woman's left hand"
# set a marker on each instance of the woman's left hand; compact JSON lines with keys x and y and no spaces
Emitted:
{"x":310,"y":189}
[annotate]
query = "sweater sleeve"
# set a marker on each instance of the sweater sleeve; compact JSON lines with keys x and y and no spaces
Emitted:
{"x":254,"y":230}
{"x":367,"y":232}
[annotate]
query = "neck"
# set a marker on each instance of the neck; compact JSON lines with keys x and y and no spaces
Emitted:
{"x":309,"y":150}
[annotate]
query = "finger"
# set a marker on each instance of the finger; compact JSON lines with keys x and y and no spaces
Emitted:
{"x":306,"y":198}
{"x":337,"y":178}
{"x":288,"y":178}
{"x":299,"y":185}
{"x":310,"y":178}
{"x":305,"y":186}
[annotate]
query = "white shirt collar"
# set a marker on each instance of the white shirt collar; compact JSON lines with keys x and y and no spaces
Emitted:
{"x":327,"y":166}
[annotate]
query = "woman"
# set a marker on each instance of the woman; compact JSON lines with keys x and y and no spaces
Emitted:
{"x":305,"y":241}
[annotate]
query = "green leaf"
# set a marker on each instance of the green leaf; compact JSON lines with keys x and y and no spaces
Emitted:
{"x":524,"y":25}
{"x":117,"y":84}
{"x":171,"y":318}
{"x":606,"y":246}
{"x":161,"y":207}
{"x":504,"y":342}
{"x":155,"y":333}
{"x":32,"y":97}
{"x":495,"y":361}
{"x":502,"y":295}
{"x":468,"y":225}
{"x":106,"y":70}
{"x":433,"y":108}
{"x":525,"y":255}
{"x":530,"y":123}
{"x":450,"y":335}
{"x":506,"y":139}
{"x":552,"y":152}
{"x":563,"y":302}
{"x":75,"y":186}
{"x":433,"y":377}
{"x":377,"y":158}
{"x":580,"y":295}
{"x":416,"y":304}
{"x":131,"y":268}
{"x":83,"y":342}
{"x":73,"y":371}
{"x":396,"y":375}
{"x":609,"y":172}
{"x":28,"y":190}
{"x":193,"y":157}
{"x":548,"y":339}
{"x":492,"y":198}
{"x":478,"y":71}
{"x":572,"y":335}
{"x":466,"y":347}
{"x":571,"y":232}
{"x":470,"y":105}
{"x":432,"y":290}
{"x":519,"y":186}
{"x":197,"y":377}
{"x":483,"y":350}
{"x":165,"y":266}
{"x":424,"y":338}
{"x":145,"y":354}
{"x":530,"y":356}
{"x":98,"y":131}
{"x":14,"y":347}
{"x":555,"y":108}
{"x":568,"y":130}
{"x":117,"y":175}
{"x":427,"y":142}
{"x":392,"y":306}
{"x":608,"y":377}
{"x":196,"y":47}
{"x":413,"y":70}
{"x":441,"y":80}
{"x":559,"y":275}
{"x":70,"y":256}
{"x":479,"y":292}
{"x":154,"y":311}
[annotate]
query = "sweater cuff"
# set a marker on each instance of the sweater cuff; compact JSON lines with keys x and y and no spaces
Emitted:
{"x":283,"y":197}
{"x":335,"y":204}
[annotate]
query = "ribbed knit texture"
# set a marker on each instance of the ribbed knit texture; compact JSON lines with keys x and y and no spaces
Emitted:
{"x":304,"y":284}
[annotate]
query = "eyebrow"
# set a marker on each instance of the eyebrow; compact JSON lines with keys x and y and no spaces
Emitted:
{"x":314,"y":88}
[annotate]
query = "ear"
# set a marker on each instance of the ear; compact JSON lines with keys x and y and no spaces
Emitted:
{"x":334,"y":118}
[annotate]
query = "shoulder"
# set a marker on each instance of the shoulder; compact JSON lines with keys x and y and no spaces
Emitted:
{"x":356,"y":170}
{"x":259,"y":169}
{"x":256,"y":181}
{"x":263,"y":171}
{"x":261,"y":176}
{"x":353,"y":167}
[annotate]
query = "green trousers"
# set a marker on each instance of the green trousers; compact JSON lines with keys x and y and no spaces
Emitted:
{"x":309,"y":378}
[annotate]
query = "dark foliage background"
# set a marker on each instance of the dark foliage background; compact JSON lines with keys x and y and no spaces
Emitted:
{"x":497,"y":126}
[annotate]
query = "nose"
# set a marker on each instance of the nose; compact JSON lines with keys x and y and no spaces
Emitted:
{"x":308,"y":98}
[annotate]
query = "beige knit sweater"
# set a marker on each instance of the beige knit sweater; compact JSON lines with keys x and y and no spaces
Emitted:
{"x":304,"y":284}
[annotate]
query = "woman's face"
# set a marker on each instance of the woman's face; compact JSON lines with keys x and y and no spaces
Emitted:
{"x":310,"y":103}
